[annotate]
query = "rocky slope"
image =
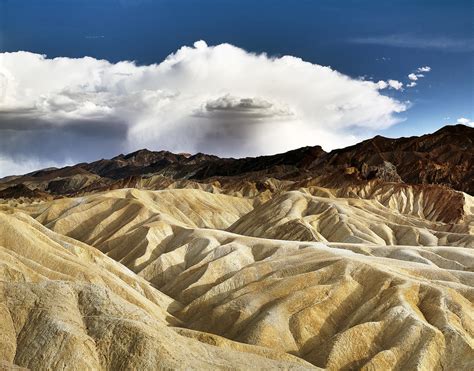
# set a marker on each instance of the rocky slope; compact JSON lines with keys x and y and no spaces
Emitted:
{"x":64,"y":305}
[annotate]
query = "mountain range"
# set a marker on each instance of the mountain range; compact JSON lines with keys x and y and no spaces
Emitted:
{"x":444,"y":158}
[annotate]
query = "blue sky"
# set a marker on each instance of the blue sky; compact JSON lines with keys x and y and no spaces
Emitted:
{"x":380,"y":40}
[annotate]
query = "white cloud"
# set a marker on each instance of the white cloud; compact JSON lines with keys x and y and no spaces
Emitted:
{"x":392,"y":84}
{"x":417,"y":75}
{"x":424,"y":69}
{"x":216,"y":99}
{"x":382,"y":85}
{"x":463,"y":121}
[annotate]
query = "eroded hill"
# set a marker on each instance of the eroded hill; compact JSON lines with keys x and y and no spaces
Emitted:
{"x":382,"y":282}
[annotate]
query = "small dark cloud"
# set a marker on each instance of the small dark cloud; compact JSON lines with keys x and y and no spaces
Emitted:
{"x":242,"y":108}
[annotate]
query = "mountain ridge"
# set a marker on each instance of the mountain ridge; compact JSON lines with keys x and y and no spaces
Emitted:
{"x":443,"y":158}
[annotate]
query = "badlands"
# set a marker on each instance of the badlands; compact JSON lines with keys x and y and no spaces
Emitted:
{"x":361,"y":258}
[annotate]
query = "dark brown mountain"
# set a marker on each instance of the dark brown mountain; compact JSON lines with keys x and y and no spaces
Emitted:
{"x":21,"y":190}
{"x":445,"y":157}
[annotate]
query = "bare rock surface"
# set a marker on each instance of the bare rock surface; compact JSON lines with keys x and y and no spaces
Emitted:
{"x":64,"y":305}
{"x":322,"y":276}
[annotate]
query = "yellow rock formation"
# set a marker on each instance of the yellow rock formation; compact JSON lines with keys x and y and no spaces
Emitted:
{"x":359,"y":278}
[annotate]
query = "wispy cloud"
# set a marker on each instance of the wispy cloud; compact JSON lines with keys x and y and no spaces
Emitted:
{"x":419,"y":42}
{"x":423,"y":69}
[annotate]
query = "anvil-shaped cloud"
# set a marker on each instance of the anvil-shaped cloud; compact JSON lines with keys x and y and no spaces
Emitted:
{"x":215,"y":99}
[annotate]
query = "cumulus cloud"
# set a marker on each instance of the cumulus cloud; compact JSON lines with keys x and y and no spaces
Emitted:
{"x":392,"y":84}
{"x":463,"y":121}
{"x":415,"y":76}
{"x":215,"y":99}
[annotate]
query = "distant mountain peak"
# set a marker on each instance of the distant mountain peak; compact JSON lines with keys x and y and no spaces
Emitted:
{"x":445,"y":157}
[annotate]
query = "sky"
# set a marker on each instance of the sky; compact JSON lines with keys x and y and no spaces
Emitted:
{"x":82,"y":80}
